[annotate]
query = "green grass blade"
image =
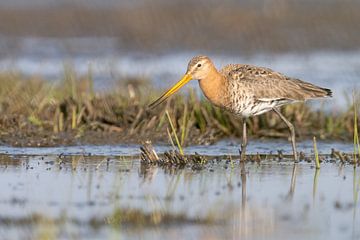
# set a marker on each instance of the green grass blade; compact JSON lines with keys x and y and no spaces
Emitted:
{"x":317,"y":161}
{"x":174,"y":132}
{"x":184,"y":123}
{"x":356,"y":132}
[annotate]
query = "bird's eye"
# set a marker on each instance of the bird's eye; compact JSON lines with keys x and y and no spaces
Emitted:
{"x":199,"y":65}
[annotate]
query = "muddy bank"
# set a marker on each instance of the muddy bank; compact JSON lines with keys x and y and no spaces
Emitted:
{"x":35,"y":112}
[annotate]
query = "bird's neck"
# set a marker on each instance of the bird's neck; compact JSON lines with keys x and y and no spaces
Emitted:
{"x":213,"y":86}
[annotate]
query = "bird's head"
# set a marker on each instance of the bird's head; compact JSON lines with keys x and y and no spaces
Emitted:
{"x":198,"y":68}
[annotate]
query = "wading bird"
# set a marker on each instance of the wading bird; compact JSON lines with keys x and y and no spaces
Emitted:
{"x":246,"y":91}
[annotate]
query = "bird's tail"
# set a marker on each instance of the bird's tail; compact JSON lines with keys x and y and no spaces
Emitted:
{"x":328,"y":92}
{"x":313,"y":91}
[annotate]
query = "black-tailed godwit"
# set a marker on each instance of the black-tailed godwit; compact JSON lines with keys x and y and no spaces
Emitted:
{"x":247,"y":91}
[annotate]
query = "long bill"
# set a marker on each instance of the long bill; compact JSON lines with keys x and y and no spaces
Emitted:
{"x":171,"y":91}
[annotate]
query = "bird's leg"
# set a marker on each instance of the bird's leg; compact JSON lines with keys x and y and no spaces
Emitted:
{"x":244,"y":142}
{"x":292,"y":132}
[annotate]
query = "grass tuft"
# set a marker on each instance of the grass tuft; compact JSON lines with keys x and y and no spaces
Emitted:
{"x":34,"y":112}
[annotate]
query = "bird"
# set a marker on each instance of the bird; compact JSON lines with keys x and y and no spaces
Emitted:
{"x":246,"y":91}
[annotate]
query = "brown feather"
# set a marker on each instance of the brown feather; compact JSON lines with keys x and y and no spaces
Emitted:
{"x":264,"y":83}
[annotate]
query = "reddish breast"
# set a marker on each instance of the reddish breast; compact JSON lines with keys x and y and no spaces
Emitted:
{"x":214,"y":88}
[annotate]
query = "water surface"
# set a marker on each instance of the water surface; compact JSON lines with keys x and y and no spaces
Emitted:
{"x":269,"y":200}
{"x":224,"y":147}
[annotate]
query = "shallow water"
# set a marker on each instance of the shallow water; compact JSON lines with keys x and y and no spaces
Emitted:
{"x":266,"y":202}
{"x":225,"y":147}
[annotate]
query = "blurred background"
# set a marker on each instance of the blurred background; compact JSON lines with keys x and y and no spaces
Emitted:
{"x":314,"y":40}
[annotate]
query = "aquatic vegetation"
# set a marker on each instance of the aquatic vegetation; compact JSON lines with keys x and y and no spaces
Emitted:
{"x":347,"y":158}
{"x":317,"y":161}
{"x":139,"y":218}
{"x":49,"y":228}
{"x":170,"y":159}
{"x":148,"y":154}
{"x":356,"y":133}
{"x":35,"y":112}
{"x":174,"y":133}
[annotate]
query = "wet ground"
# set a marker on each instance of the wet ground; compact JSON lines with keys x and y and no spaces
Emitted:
{"x":82,"y":192}
{"x":103,"y":192}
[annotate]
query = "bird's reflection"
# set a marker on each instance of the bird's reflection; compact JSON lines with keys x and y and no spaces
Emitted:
{"x":293,"y":182}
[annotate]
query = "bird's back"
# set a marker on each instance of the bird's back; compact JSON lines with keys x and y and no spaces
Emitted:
{"x":254,"y":90}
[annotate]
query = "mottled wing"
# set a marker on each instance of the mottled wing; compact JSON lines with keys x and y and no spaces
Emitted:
{"x":265,"y":84}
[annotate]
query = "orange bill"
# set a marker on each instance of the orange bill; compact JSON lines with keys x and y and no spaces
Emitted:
{"x":171,"y":91}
